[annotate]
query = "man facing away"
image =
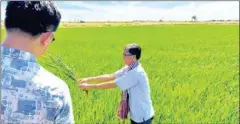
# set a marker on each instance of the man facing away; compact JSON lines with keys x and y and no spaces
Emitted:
{"x":29,"y":93}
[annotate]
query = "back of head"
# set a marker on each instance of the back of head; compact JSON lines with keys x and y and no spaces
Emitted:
{"x":32,"y":17}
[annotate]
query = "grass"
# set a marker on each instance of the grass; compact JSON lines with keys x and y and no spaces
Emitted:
{"x":193,"y":70}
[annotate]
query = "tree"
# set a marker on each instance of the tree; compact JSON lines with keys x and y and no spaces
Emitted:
{"x":194,"y":18}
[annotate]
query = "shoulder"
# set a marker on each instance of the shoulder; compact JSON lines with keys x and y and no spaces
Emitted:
{"x":139,"y":72}
{"x":45,"y":78}
{"x":120,"y":72}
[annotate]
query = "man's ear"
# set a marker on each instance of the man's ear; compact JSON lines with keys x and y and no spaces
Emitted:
{"x":134,"y":57}
{"x":44,"y":38}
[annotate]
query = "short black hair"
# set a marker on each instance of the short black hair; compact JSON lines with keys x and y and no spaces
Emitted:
{"x":32,"y":17}
{"x":134,"y":49}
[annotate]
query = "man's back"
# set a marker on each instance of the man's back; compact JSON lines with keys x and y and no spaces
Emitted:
{"x":29,"y":93}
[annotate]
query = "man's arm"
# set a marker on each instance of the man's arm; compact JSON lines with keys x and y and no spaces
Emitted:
{"x":65,"y":115}
{"x":102,"y":78}
{"x":106,"y":77}
{"x":106,"y":85}
{"x":123,"y":82}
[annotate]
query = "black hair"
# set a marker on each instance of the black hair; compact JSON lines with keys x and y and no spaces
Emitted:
{"x":32,"y":17}
{"x":134,"y":49}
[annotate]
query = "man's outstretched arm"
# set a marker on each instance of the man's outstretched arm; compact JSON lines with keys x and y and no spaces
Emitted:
{"x":107,"y":85}
{"x":123,"y":82}
{"x":106,"y":77}
{"x":101,"y":78}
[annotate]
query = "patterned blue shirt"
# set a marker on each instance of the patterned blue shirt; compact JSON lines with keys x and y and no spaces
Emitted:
{"x":31,"y":94}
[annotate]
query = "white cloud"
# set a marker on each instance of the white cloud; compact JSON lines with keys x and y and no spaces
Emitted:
{"x":219,"y":10}
{"x":136,"y":10}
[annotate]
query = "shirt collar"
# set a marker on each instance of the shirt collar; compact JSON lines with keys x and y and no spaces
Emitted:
{"x":133,"y":65}
{"x":17,"y":54}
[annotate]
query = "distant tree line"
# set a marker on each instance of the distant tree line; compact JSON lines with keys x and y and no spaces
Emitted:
{"x":193,"y":19}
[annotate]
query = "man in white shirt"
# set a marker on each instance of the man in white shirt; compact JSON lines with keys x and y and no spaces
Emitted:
{"x":132,"y":78}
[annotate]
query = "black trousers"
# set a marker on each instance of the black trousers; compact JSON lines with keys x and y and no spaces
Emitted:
{"x":149,"y":121}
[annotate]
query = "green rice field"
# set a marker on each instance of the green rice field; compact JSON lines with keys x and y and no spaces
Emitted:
{"x":193,"y":70}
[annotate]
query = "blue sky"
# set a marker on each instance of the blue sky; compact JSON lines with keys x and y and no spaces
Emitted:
{"x":145,"y":10}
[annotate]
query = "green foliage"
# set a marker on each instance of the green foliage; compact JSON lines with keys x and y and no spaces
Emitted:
{"x":192,"y":69}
